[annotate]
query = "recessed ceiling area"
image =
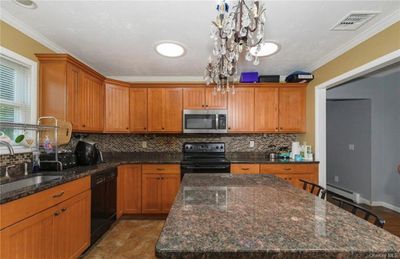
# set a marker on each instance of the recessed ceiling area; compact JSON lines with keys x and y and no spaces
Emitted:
{"x":117,"y":38}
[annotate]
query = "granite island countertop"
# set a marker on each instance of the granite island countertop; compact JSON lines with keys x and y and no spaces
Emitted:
{"x":262,"y":216}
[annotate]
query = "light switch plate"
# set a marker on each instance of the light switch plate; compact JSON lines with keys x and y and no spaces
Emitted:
{"x":251,"y":143}
{"x":144,"y":144}
{"x":351,"y":147}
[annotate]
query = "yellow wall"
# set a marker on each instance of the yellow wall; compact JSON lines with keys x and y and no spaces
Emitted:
{"x":18,"y":42}
{"x":379,"y":45}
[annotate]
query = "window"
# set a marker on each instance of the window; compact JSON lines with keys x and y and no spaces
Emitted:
{"x":18,"y":90}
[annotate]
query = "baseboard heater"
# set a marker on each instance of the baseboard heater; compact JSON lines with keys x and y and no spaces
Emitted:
{"x":354,"y":196}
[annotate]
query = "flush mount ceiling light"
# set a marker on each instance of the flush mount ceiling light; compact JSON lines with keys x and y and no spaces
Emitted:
{"x":26,"y":4}
{"x":265,"y":49}
{"x":170,"y":49}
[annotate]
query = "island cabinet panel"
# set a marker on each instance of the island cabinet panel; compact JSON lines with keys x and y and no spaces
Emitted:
{"x":292,"y":109}
{"x":266,"y":109}
{"x":160,"y":184}
{"x":241,"y":110}
{"x":245,"y":168}
{"x":138,"y":109}
{"x":90,"y":104}
{"x":215,"y":100}
{"x":165,"y":110}
{"x":61,"y":231}
{"x":130,"y":189}
{"x":117,"y":108}
{"x":194,"y":98}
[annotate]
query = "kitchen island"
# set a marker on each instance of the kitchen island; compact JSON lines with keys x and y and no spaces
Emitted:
{"x":262,"y":216}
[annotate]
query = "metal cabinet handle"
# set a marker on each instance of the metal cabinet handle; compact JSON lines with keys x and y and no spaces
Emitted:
{"x":63,"y":209}
{"x":83,"y":125}
{"x":245,"y":169}
{"x":144,"y":127}
{"x":57,"y":213}
{"x":287,"y":169}
{"x":58,"y":195}
{"x":160,"y":169}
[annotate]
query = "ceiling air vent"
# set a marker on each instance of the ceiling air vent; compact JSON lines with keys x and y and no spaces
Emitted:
{"x":354,"y":20}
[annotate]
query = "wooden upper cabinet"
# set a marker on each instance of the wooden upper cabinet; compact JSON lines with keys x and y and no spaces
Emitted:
{"x":215,"y":101}
{"x":69,"y":90}
{"x":241,"y":110}
{"x":266,"y":109}
{"x":292,"y":109}
{"x":138,"y":109}
{"x":165,"y":110}
{"x":90,"y":104}
{"x":194,"y":98}
{"x":117,"y":107}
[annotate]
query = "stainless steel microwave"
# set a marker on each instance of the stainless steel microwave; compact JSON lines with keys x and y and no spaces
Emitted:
{"x":205,"y":121}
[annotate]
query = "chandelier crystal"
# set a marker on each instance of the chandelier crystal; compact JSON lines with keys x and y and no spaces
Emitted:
{"x":238,"y":27}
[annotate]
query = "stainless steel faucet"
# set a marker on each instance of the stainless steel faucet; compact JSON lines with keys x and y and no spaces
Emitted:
{"x":8,"y":145}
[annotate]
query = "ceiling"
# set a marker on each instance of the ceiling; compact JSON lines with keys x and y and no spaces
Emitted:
{"x":117,"y":38}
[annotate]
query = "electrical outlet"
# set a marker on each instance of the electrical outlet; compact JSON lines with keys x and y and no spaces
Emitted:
{"x":351,"y":147}
{"x":251,"y":143}
{"x":336,"y":179}
{"x":144,"y":144}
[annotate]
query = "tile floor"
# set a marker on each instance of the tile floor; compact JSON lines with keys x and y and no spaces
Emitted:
{"x":128,"y":238}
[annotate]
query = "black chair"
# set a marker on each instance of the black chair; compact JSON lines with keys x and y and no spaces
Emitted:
{"x":355,"y":208}
{"x":314,"y":188}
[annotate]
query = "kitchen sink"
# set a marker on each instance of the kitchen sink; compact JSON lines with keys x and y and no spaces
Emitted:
{"x":33,"y":180}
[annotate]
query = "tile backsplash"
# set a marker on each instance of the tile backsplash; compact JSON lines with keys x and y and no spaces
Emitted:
{"x":173,"y":143}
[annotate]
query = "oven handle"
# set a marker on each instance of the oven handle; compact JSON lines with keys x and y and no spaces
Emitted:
{"x":206,"y":167}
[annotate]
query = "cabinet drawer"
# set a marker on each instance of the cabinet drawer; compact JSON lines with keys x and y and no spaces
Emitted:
{"x":288,"y":168}
{"x":245,"y":168}
{"x":20,"y":209}
{"x":161,"y":169}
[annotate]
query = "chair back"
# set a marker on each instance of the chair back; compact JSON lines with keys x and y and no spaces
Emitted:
{"x":314,"y":188}
{"x":354,"y":208}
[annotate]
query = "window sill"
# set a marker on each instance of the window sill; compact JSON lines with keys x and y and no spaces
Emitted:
{"x":17,"y":150}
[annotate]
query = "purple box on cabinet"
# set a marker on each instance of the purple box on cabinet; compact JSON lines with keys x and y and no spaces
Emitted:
{"x":249,"y":77}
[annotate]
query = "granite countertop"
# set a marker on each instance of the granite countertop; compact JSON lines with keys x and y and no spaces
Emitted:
{"x":259,"y":158}
{"x":262,"y":216}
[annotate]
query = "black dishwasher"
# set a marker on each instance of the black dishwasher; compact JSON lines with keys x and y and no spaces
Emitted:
{"x":104,"y":201}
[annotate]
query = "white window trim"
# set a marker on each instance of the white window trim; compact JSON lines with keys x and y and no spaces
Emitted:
{"x":32,"y":66}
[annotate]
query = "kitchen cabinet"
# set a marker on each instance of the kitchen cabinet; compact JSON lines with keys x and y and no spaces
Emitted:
{"x":138,"y":109}
{"x":241,"y":110}
{"x":71,"y":91}
{"x":266,"y":109}
{"x":292,"y":109}
{"x":130,"y":189}
{"x":117,"y":106}
{"x":203,"y":98}
{"x":60,"y":231}
{"x":165,"y":110}
{"x":292,"y":172}
{"x":245,"y":168}
{"x":160,"y":184}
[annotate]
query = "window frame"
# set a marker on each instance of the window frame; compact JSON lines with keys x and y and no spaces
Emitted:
{"x":32,"y":67}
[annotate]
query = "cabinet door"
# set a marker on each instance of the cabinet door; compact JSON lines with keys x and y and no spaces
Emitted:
{"x":132,"y":188}
{"x":266,"y":109}
{"x":172,"y":114}
{"x":155,"y":109}
{"x":193,"y":98}
{"x":30,"y":238}
{"x":169,"y":189}
{"x":292,"y":109}
{"x":138,"y":109}
{"x":215,"y":101}
{"x":117,"y":108}
{"x":73,"y":79}
{"x":90,"y":104}
{"x":241,"y":110}
{"x":72,"y":226}
{"x":151,"y":193}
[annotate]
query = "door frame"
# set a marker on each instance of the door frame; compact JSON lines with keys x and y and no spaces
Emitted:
{"x":320,"y":103}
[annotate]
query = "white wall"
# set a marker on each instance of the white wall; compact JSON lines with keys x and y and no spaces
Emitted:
{"x":384,"y":93}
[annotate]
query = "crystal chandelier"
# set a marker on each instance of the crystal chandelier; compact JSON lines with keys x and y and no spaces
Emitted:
{"x":239,"y":26}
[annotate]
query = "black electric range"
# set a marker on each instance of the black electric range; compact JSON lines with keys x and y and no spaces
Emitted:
{"x":204,"y":157}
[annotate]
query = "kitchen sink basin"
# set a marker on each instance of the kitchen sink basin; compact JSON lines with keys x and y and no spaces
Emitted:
{"x":33,"y":180}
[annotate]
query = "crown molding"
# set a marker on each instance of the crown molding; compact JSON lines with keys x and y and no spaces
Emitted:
{"x":376,"y":28}
{"x":152,"y":79}
{"x":17,"y":24}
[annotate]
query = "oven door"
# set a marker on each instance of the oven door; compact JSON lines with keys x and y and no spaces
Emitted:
{"x":203,"y":121}
{"x":204,"y":169}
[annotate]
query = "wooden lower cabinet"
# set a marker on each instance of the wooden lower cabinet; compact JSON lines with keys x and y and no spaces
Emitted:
{"x":151,"y":193}
{"x":62,"y":231}
{"x":245,"y":168}
{"x":129,"y":189}
{"x":169,"y":188}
